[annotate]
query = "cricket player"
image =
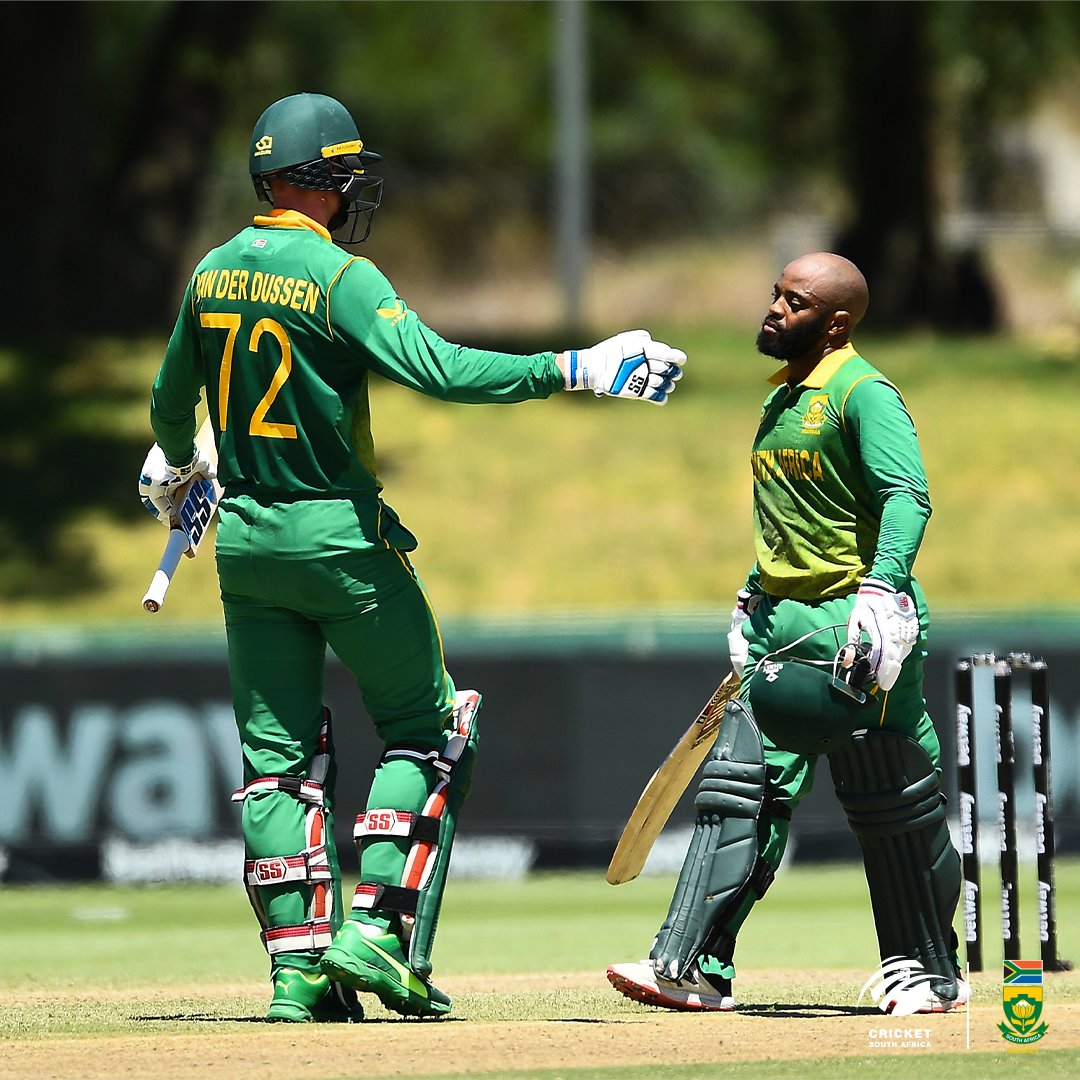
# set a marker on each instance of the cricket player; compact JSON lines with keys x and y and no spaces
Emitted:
{"x":829,"y":635}
{"x":281,"y":328}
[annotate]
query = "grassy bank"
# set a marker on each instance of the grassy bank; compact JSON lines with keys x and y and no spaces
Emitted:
{"x":602,"y":504}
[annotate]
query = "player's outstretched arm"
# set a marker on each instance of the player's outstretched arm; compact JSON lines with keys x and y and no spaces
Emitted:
{"x":629,"y":365}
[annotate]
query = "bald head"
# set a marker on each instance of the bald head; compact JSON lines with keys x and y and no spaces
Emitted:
{"x":817,"y":302}
{"x":835,"y":283}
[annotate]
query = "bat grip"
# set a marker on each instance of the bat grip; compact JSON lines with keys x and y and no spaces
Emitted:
{"x":175,"y":547}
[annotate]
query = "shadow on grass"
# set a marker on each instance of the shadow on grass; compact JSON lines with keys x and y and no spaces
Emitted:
{"x":792,"y":1011}
{"x":206,"y":1018}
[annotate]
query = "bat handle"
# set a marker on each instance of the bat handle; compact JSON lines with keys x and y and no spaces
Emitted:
{"x":175,"y":547}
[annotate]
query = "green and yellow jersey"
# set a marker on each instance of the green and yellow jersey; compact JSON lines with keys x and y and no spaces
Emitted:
{"x":840,"y":490}
{"x":283,"y":329}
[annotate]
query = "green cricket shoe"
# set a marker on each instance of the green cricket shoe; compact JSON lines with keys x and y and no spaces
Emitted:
{"x":377,"y":965}
{"x":303,"y":997}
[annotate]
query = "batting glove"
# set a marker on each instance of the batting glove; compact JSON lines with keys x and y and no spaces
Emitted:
{"x":159,"y":482}
{"x":629,"y":365}
{"x":889,"y":620}
{"x":738,"y":646}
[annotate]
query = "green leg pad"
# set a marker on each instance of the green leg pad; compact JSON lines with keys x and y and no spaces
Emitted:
{"x":404,"y":784}
{"x":407,"y":833}
{"x":291,"y":867}
{"x":460,"y":752}
{"x":891,"y":793}
{"x":721,"y":863}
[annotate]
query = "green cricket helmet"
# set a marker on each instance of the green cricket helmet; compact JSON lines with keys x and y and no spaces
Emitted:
{"x":310,"y":141}
{"x":805,"y":708}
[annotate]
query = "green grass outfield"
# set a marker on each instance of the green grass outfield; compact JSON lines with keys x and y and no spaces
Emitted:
{"x":160,"y":957}
{"x":575,"y":503}
{"x":925,"y":1067}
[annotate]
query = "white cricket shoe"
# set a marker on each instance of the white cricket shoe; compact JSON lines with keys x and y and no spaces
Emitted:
{"x":904,"y":1000}
{"x":695,"y":992}
{"x":935,"y":1004}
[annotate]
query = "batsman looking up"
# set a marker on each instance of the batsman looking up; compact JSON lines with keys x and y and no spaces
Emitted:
{"x":829,"y":637}
{"x":282,"y":328}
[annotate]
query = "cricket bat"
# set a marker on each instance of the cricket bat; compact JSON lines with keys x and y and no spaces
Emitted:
{"x":196,"y":506}
{"x":668,"y":783}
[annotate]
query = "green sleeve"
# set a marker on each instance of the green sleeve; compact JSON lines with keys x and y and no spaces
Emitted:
{"x":753,"y":581}
{"x":177,"y":389}
{"x":373,"y":319}
{"x":893,"y":467}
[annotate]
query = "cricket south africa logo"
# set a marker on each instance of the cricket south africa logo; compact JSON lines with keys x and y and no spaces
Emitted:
{"x":900,"y":987}
{"x":1022,"y":1002}
{"x":814,"y":418}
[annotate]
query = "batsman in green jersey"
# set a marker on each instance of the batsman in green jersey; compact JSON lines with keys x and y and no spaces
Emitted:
{"x":829,"y":637}
{"x":280,"y":329}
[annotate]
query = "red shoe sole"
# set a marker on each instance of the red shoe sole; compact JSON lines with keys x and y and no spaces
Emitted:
{"x":646,"y":996}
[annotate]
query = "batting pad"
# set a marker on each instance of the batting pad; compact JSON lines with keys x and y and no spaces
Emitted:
{"x":291,"y":870}
{"x":891,"y":793}
{"x":721,"y":862}
{"x":428,"y":834}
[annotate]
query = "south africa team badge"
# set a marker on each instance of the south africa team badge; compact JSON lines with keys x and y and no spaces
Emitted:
{"x":814,"y":418}
{"x":1022,"y":1002}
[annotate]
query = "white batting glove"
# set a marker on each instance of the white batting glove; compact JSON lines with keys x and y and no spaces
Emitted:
{"x":159,"y":481}
{"x":629,"y":365}
{"x":890,"y":622}
{"x":738,"y":646}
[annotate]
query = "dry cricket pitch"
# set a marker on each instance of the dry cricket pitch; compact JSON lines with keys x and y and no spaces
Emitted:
{"x":233,"y":1047}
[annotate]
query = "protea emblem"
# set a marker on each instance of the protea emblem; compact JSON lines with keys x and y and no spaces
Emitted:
{"x":1022,"y":1002}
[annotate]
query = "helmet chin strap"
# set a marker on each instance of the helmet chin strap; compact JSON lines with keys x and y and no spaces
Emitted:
{"x":798,"y":641}
{"x":851,"y":668}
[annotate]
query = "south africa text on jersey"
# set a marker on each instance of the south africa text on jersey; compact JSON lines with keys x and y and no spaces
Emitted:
{"x":796,"y":464}
{"x":257,"y":288}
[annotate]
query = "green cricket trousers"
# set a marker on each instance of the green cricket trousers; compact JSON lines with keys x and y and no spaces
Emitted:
{"x":296,"y":577}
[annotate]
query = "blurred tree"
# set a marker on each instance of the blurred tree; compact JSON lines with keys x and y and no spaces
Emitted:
{"x":126,"y":100}
{"x":107,"y":117}
{"x":706,"y":116}
{"x":127,"y":126}
{"x":842,"y":114}
{"x":885,"y":150}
